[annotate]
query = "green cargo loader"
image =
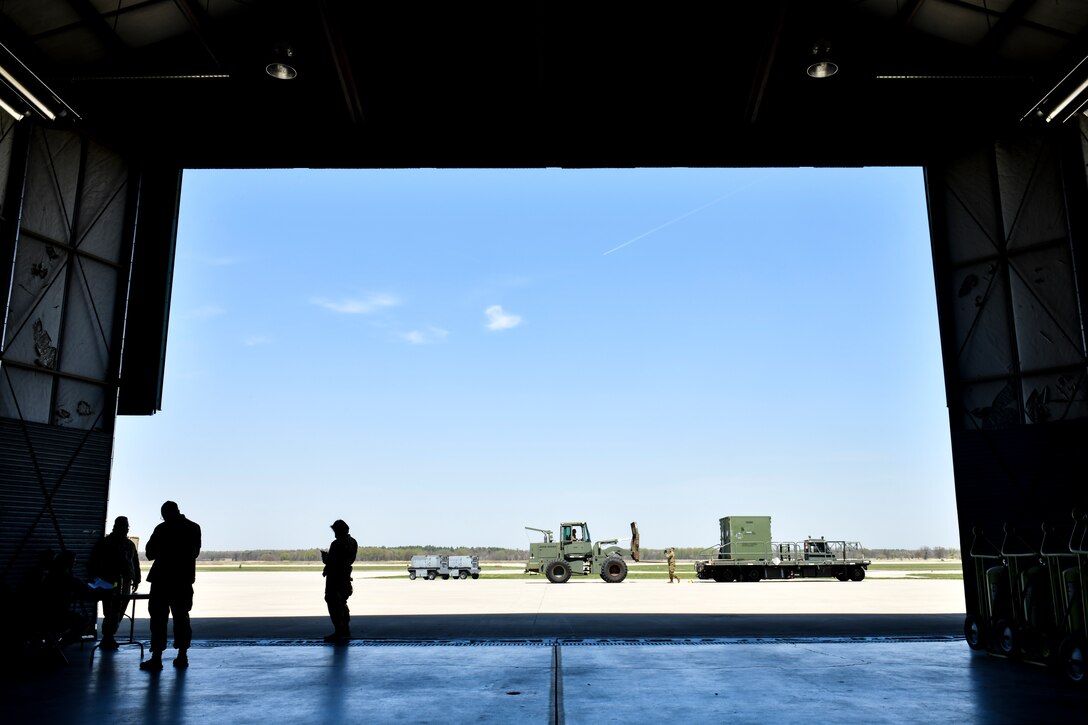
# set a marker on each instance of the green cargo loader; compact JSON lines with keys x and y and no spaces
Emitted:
{"x":748,"y":554}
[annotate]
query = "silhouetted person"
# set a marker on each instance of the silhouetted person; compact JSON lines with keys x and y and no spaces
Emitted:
{"x":337,"y":572}
{"x":115,"y":560}
{"x":173,"y":547}
{"x":59,"y":588}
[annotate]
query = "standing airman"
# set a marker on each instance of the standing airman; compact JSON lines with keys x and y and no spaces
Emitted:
{"x":670,"y":557}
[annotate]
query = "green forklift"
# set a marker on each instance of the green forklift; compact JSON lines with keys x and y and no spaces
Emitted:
{"x":574,"y":553}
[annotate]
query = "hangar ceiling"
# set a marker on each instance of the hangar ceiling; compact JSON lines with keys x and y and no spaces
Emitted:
{"x":184,"y":82}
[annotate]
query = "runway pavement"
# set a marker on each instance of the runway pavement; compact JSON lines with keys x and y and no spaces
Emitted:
{"x":230,"y":594}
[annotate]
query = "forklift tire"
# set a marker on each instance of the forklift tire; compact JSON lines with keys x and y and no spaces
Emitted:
{"x":1006,"y":638}
{"x":857,"y":574}
{"x":412,"y":575}
{"x":614,"y":570}
{"x":1073,"y":658}
{"x":974,"y":632}
{"x":558,"y":571}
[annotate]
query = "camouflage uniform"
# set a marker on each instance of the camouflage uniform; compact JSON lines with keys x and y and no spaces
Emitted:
{"x":670,"y":557}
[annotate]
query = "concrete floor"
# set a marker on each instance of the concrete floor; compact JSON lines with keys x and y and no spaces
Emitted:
{"x":890,"y":678}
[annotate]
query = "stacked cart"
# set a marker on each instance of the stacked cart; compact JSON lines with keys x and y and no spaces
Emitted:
{"x":447,"y":566}
{"x":1031,"y":601}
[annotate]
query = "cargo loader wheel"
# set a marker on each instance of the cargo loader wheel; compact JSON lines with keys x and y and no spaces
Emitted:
{"x":412,"y":575}
{"x":857,"y":574}
{"x":751,"y":574}
{"x":614,"y":570}
{"x":1006,"y":638}
{"x":974,"y":632}
{"x":842,"y":576}
{"x":558,"y":571}
{"x":1072,"y":659}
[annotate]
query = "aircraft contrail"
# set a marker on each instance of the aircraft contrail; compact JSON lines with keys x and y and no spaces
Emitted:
{"x":685,"y":215}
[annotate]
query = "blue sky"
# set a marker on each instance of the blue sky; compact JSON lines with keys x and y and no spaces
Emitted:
{"x":447,"y":356}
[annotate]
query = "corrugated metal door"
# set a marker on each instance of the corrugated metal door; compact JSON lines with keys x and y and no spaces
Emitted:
{"x":67,"y":234}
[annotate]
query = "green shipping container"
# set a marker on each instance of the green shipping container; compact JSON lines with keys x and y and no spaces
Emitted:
{"x":747,"y":538}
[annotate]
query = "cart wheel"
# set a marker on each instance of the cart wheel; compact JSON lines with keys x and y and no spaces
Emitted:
{"x":1072,"y":658}
{"x":463,"y":575}
{"x":430,"y":575}
{"x":475,"y":576}
{"x":974,"y":632}
{"x":1007,"y":639}
{"x":445,"y":576}
{"x":412,"y":575}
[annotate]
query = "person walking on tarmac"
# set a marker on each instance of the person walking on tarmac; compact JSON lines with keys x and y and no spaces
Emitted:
{"x":670,"y":557}
{"x":337,"y":572}
{"x":114,"y":560}
{"x":173,"y":547}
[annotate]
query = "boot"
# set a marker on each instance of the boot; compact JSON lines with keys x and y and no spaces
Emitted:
{"x":182,"y":660}
{"x":153,"y":663}
{"x":340,"y":636}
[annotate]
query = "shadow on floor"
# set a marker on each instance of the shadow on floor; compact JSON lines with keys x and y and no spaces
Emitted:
{"x":550,"y":626}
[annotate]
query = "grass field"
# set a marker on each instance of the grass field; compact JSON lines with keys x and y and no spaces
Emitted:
{"x":916,"y":566}
{"x":514,"y":570}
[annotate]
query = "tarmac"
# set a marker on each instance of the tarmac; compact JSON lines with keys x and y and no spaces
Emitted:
{"x":553,"y":666}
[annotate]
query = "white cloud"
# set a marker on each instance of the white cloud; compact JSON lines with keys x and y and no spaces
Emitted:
{"x":205,"y":312}
{"x":256,"y":340}
{"x":497,"y":319}
{"x":355,"y":306}
{"x":425,"y":337}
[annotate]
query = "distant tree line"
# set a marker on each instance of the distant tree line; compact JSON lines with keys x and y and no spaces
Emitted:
{"x":499,"y":553}
{"x":367,"y":553}
{"x":922,"y":552}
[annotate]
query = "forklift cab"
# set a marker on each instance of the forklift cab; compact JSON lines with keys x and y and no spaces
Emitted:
{"x":574,"y":538}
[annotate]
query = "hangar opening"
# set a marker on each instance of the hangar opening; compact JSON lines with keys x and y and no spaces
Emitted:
{"x":444,"y":357}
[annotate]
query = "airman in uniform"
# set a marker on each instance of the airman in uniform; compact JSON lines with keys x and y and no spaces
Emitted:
{"x":670,"y":557}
